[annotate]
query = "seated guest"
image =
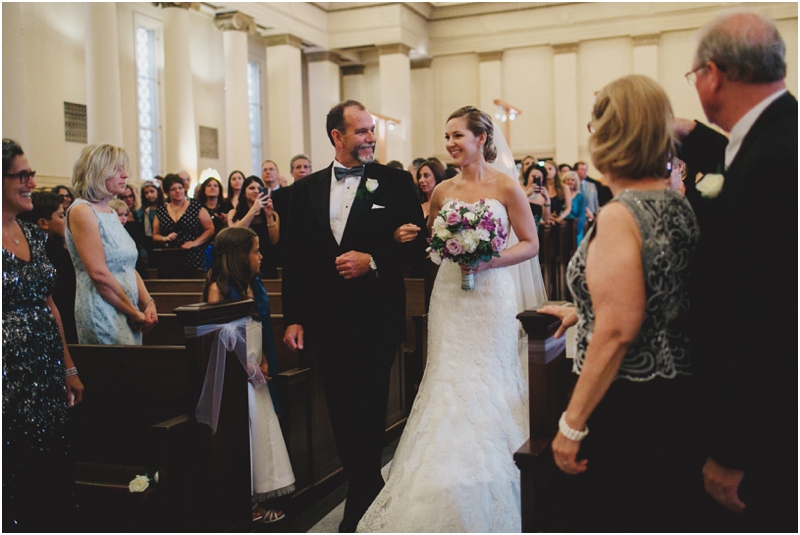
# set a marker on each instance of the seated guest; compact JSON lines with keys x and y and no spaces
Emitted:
{"x":526,"y":164}
{"x":131,"y":202}
{"x":66,"y":195}
{"x":429,"y":175}
{"x":537,"y":194}
{"x":255,"y":210}
{"x":395,"y":164}
{"x":626,"y":435}
{"x":235,"y":181}
{"x":210,"y":198}
{"x":112,"y":305}
{"x":183,"y":223}
{"x":48,"y":214}
{"x":413,"y":166}
{"x":563,"y":168}
{"x":578,"y":212}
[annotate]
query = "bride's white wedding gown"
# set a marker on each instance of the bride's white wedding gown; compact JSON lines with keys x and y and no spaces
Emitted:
{"x":453,"y":470}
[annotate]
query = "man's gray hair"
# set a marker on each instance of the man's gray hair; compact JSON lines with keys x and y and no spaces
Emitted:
{"x":745,"y":46}
{"x":298,"y":157}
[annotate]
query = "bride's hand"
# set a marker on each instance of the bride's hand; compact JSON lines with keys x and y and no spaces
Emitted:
{"x":568,"y":315}
{"x":479,"y":267}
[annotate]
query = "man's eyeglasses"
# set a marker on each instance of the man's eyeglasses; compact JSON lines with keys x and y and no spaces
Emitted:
{"x":691,"y":76}
{"x":23,"y":176}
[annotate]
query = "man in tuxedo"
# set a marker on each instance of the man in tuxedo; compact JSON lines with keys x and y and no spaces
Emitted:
{"x":744,"y":283}
{"x":343,"y":290}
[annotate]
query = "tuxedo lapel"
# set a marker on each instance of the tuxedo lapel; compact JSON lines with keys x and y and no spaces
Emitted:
{"x":320,"y":195}
{"x":360,"y":206}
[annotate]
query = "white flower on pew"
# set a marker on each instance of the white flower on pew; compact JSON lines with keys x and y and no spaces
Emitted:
{"x":140,"y":483}
{"x":710,"y":185}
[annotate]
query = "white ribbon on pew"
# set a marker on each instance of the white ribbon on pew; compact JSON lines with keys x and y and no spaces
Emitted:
{"x":229,"y":337}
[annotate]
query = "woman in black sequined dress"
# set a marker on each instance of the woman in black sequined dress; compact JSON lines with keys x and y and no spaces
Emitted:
{"x":37,"y":475}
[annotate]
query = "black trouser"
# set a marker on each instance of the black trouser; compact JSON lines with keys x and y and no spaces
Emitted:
{"x":356,"y":382}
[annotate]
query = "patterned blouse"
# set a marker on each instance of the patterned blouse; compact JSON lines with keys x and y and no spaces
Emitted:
{"x":669,"y":233}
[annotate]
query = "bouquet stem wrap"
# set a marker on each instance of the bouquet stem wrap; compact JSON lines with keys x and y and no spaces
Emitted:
{"x":229,"y":337}
{"x":467,"y":281}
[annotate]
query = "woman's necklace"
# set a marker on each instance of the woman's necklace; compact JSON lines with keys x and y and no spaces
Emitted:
{"x":13,"y":237}
{"x":178,"y":209}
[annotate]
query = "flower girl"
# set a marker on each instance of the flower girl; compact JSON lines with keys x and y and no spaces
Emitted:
{"x":234,"y":274}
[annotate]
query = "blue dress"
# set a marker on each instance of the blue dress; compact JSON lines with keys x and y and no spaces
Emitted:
{"x":96,"y":320}
{"x":578,"y":212}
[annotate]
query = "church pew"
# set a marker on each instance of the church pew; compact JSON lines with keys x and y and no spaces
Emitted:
{"x":131,"y":418}
{"x":169,"y":301}
{"x":543,"y":485}
{"x":196,"y":285}
{"x":168,"y":331}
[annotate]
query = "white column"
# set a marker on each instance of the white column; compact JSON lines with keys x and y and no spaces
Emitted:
{"x":645,"y":55}
{"x":15,"y":100}
{"x":103,"y":90}
{"x":354,"y":83}
{"x":235,"y":27}
{"x":490,"y":73}
{"x":565,"y":78}
{"x":426,"y":136}
{"x":285,"y":99}
{"x":395,"y":91}
{"x":323,"y":94}
{"x":180,"y":130}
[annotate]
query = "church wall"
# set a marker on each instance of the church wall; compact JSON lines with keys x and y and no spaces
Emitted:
{"x":454,"y":85}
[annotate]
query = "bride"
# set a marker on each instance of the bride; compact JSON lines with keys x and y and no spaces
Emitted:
{"x":453,"y":470}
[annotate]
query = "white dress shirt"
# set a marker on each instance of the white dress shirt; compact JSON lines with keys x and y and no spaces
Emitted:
{"x":741,"y":128}
{"x":343,"y":193}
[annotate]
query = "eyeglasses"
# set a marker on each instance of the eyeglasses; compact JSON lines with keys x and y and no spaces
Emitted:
{"x":126,"y":197}
{"x":23,"y":176}
{"x":691,"y":76}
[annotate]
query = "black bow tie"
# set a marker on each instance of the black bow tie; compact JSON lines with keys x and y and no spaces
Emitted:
{"x":342,"y":172}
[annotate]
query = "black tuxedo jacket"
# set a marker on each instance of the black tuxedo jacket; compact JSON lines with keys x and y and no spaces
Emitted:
{"x":281,"y":198}
{"x":367,"y":310}
{"x":744,"y":293}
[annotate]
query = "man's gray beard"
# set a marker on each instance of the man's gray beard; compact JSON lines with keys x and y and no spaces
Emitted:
{"x":356,"y":154}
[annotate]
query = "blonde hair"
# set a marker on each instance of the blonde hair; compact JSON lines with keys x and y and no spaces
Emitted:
{"x":95,"y":165}
{"x":633,"y":136}
{"x":119,"y":206}
{"x":479,"y":122}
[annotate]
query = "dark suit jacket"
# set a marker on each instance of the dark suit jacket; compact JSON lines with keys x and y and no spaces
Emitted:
{"x":603,"y":192}
{"x":744,"y":294}
{"x":368,"y":310}
{"x":281,"y":198}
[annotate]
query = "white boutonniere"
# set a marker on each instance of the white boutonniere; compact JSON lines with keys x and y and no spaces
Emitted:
{"x":140,"y":483}
{"x":369,"y":187}
{"x":710,"y":185}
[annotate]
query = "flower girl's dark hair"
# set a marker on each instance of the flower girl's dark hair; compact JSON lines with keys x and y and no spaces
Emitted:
{"x":231,"y":266}
{"x":479,"y":122}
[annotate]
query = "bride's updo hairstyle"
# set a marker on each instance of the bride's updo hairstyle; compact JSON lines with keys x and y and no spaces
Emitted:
{"x":632,"y":122}
{"x":479,"y":122}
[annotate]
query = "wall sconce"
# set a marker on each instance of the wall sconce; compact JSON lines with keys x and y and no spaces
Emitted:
{"x":505,"y":113}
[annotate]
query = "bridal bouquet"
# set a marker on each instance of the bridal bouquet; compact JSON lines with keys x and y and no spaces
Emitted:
{"x":466,"y":233}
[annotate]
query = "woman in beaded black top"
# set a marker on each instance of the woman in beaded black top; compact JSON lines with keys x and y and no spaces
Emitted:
{"x":39,"y":378}
{"x":629,"y":281}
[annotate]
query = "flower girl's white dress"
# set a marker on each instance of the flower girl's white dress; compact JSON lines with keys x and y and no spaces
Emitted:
{"x":453,"y":470}
{"x":270,"y":467}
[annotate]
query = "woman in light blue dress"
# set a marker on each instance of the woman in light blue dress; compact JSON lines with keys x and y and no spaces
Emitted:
{"x":112,"y":305}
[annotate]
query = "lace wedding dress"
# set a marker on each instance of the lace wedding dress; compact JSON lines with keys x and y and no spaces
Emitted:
{"x":453,"y":470}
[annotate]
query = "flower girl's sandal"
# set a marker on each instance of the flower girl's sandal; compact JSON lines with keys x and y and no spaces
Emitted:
{"x":258,"y":512}
{"x":272,"y":515}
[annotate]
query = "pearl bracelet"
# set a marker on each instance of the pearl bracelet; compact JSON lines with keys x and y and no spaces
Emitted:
{"x":71,"y":371}
{"x":569,"y":432}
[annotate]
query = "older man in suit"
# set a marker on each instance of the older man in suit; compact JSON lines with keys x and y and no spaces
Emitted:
{"x":343,"y":290}
{"x":744,"y":289}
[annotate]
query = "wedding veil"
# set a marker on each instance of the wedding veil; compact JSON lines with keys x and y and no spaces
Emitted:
{"x":527,"y":276}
